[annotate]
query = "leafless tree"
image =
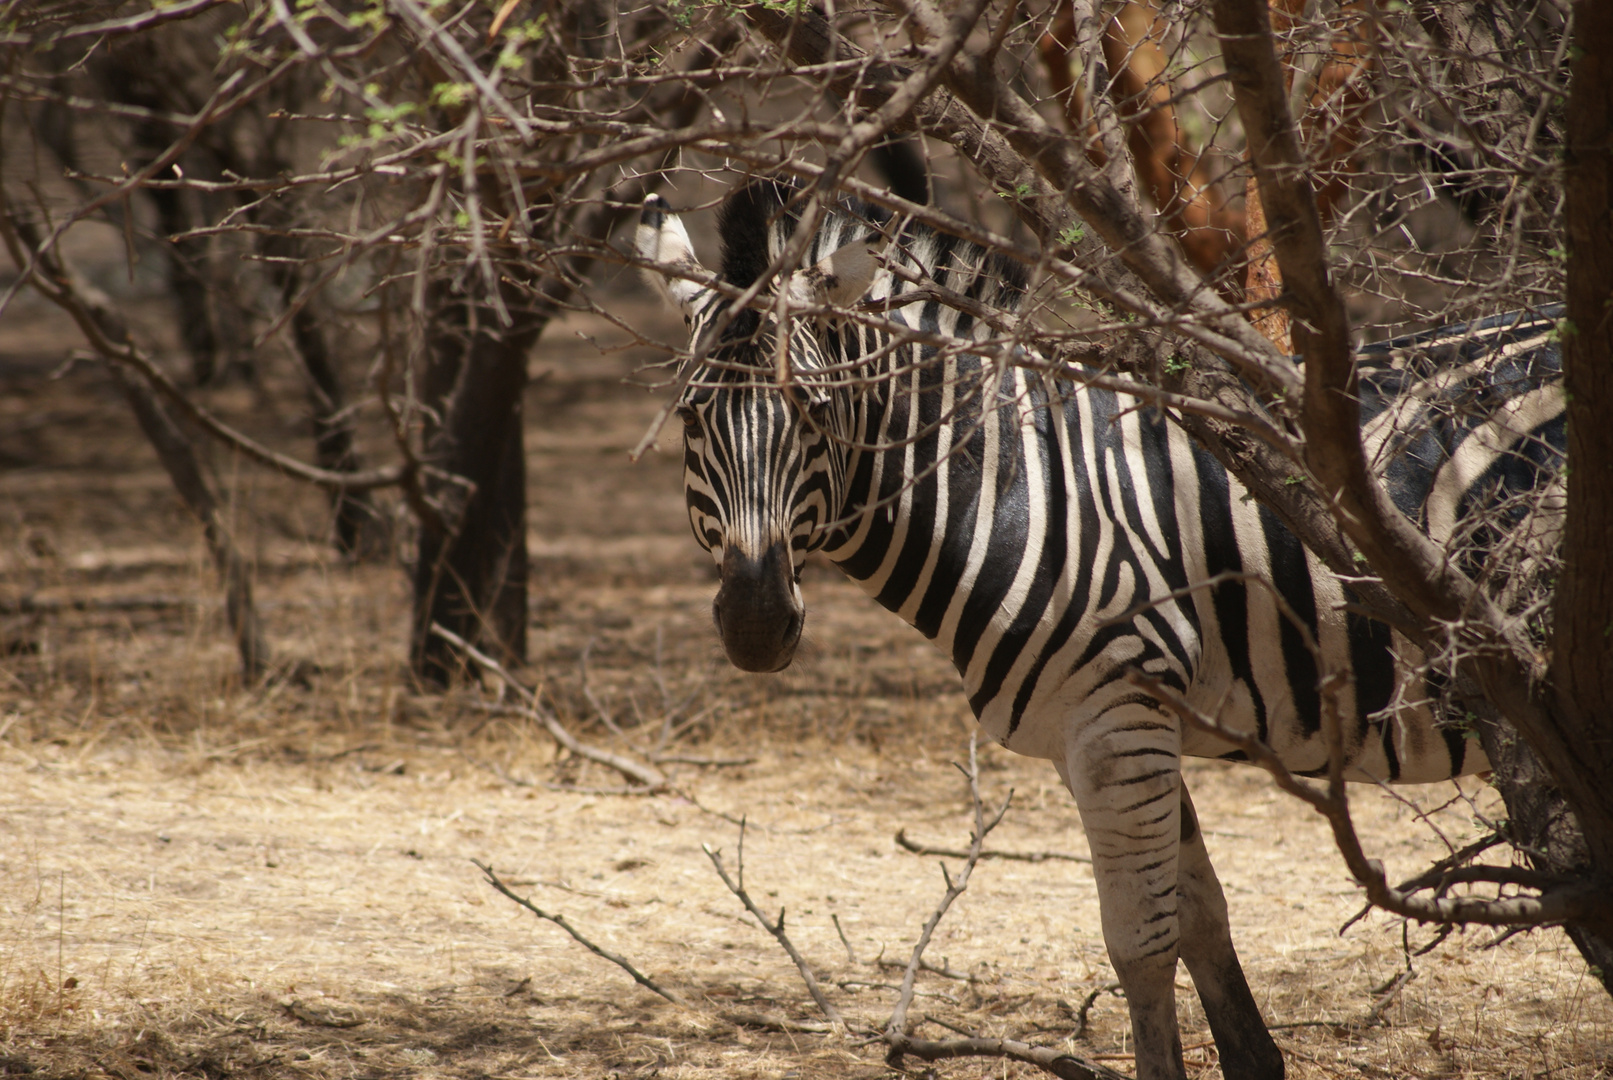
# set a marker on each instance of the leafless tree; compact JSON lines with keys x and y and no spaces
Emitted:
{"x":1199,"y":190}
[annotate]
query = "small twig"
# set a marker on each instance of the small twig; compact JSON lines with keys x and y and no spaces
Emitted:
{"x":706,"y":762}
{"x":1443,"y":933}
{"x":560,"y":921}
{"x":1080,"y":1015}
{"x":944,"y":971}
{"x":776,"y":929}
{"x":851,"y":955}
{"x":896,"y":1029}
{"x":1016,"y":856}
{"x":938,"y":1022}
{"x":577,"y":789}
{"x":864,"y":984}
{"x":361,"y":748}
{"x":593,"y":699}
{"x":776,"y":1023}
{"x":1374,"y":1015}
{"x":651,"y":777}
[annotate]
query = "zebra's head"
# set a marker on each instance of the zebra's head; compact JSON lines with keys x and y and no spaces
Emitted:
{"x":764,"y":417}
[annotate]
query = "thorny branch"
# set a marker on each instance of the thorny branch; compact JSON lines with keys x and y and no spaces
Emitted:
{"x":1015,"y":856}
{"x":898,"y":1039}
{"x":895,"y":1035}
{"x":896,"y":1028}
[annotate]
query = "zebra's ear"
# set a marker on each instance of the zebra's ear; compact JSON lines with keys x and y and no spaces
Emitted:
{"x":662,"y":241}
{"x":841,"y":278}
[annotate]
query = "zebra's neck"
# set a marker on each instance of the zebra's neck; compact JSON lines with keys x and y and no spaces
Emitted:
{"x":947,"y":518}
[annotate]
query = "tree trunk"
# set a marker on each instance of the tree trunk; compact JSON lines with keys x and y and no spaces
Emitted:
{"x":178,"y":458}
{"x":1538,"y":819}
{"x":471,"y":572}
{"x":90,"y":306}
{"x":1582,"y":646}
{"x":361,"y":532}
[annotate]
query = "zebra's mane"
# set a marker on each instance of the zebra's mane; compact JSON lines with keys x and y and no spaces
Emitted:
{"x":758,"y":220}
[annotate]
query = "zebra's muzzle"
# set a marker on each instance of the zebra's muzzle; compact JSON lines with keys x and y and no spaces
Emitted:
{"x":758,"y":609}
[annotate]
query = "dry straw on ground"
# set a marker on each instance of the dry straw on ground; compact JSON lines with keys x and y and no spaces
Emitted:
{"x":200,"y":880}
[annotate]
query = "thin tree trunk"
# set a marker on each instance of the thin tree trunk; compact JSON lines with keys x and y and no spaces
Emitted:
{"x":360,"y":531}
{"x":94,"y":311}
{"x":178,"y":457}
{"x":188,"y":261}
{"x":1582,"y":665}
{"x":151,"y":73}
{"x":471,"y":572}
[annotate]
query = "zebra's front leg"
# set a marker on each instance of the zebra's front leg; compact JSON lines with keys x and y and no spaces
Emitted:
{"x":1245,"y":1046}
{"x":1124,"y":769}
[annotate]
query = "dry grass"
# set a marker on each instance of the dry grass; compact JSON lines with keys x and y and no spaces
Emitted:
{"x":201,"y":880}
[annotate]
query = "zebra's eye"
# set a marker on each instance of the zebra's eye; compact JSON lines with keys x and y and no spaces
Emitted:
{"x":815,"y":411}
{"x":818,"y":415}
{"x":690,"y":418}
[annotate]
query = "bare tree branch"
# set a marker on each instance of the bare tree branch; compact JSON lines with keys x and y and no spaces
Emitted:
{"x":650,"y":777}
{"x":560,"y":920}
{"x":42,"y":267}
{"x":1580,"y":901}
{"x":737,"y":887}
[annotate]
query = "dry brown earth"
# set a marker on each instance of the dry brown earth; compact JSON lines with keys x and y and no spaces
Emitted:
{"x":198,"y":879}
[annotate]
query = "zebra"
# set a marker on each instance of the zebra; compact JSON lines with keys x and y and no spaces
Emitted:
{"x":1047,"y":536}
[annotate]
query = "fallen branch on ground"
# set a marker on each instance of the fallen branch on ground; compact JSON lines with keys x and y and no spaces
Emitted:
{"x":560,"y":921}
{"x":1015,"y":856}
{"x":924,"y":965}
{"x":740,"y":1018}
{"x":1080,"y":1015}
{"x":896,"y":1037}
{"x":737,"y":887}
{"x":647,"y":775}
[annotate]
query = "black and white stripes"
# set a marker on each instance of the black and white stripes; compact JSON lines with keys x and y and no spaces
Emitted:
{"x":1049,"y":537}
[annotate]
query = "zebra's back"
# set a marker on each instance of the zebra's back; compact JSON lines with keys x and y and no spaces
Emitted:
{"x":1049,"y":537}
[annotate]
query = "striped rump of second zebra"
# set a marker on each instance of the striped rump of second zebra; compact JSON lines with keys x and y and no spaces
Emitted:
{"x":1051,"y":536}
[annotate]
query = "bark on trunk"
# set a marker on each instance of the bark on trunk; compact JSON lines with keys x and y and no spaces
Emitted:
{"x":1582,"y":654}
{"x":471,"y":573}
{"x":96,"y":314}
{"x":178,"y":457}
{"x":1539,"y":821}
{"x":360,"y":531}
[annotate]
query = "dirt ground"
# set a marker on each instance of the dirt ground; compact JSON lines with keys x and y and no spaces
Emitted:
{"x":201,"y":879}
